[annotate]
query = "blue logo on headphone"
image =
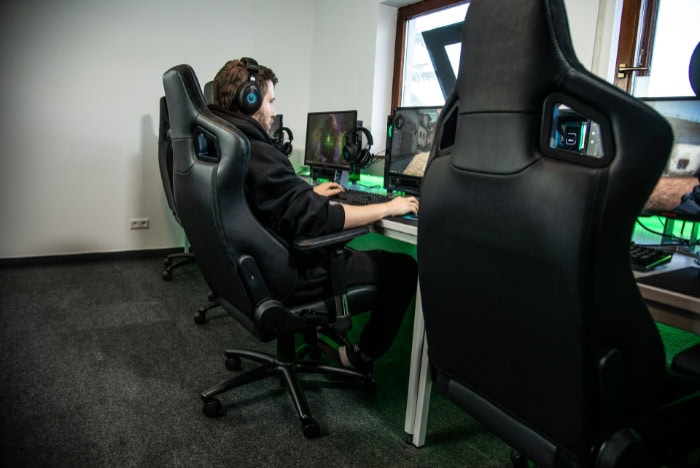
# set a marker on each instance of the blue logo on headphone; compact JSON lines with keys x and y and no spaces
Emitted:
{"x":252,"y":98}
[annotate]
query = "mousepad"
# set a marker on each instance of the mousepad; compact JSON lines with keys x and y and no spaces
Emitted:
{"x":684,"y":281}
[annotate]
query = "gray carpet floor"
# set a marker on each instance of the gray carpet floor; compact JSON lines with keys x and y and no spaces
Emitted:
{"x":102,"y":365}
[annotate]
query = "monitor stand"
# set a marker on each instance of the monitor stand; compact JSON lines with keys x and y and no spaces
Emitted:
{"x":354,"y":176}
{"x":341,"y":176}
{"x":318,"y":172}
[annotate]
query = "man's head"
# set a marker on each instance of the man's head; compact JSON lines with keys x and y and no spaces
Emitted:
{"x":235,"y":75}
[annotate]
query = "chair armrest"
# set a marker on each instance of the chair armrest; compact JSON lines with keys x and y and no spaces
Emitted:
{"x":337,"y":238}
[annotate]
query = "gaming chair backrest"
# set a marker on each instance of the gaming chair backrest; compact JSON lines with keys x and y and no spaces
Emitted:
{"x":209,"y":192}
{"x":523,"y":250}
{"x":165,"y":156}
{"x":165,"y":148}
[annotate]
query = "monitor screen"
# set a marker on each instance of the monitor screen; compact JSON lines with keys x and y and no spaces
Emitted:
{"x":325,"y":138}
{"x":276,"y":125}
{"x":677,"y":193}
{"x":410,"y":132}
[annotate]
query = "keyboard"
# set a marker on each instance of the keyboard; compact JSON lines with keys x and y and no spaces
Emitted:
{"x":646,"y":258}
{"x":360,"y":197}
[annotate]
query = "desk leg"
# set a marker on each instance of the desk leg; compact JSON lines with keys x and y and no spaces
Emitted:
{"x":425,"y":386}
{"x":416,"y":401}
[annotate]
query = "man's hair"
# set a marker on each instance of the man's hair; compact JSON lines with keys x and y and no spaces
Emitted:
{"x":234,"y":74}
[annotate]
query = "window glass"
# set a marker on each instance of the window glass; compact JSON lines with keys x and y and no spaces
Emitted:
{"x":677,"y":34}
{"x":420,"y":85}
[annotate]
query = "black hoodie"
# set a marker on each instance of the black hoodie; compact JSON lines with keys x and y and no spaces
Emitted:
{"x":278,"y":197}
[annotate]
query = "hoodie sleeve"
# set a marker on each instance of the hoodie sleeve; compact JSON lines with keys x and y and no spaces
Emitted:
{"x":283,"y":201}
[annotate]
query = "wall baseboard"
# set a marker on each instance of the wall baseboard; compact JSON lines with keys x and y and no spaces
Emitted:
{"x":88,"y":257}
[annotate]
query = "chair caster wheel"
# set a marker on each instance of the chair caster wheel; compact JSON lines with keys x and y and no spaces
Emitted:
{"x":370,"y":385}
{"x":211,"y":296}
{"x":233,"y":363}
{"x":200,"y":317}
{"x":517,"y":460}
{"x":310,"y":428}
{"x":212,"y":408}
{"x":167,"y":262}
{"x":167,"y":275}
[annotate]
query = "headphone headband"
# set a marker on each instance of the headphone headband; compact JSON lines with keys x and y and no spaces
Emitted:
{"x":249,"y":96}
{"x":251,"y":66}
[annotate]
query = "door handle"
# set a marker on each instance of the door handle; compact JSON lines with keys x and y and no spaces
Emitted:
{"x":623,"y":68}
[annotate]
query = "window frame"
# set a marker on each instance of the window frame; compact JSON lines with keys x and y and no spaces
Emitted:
{"x":636,"y":39}
{"x":404,"y":15}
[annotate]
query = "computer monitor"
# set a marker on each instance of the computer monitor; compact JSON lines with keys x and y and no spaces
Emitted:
{"x":325,"y":138}
{"x":677,"y":193}
{"x":276,"y":125}
{"x":410,"y":133}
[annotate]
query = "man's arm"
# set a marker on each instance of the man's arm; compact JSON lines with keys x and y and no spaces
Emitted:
{"x":367,"y":214}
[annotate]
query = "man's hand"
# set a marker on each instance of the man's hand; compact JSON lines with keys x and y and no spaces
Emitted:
{"x":403,"y":205}
{"x":328,"y":189}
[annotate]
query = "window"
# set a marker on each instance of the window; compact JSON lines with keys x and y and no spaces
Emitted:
{"x":657,"y":38}
{"x":428,"y":44}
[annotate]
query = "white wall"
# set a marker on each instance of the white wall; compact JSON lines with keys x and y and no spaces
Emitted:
{"x":80,"y":88}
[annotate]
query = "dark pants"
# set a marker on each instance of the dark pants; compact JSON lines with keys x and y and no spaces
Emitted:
{"x":394,"y":274}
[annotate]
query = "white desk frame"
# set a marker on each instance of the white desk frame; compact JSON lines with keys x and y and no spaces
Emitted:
{"x":419,"y":383}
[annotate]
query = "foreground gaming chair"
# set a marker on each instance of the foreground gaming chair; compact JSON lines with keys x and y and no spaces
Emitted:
{"x":165,"y":163}
{"x":535,"y":325}
{"x":248,"y":269}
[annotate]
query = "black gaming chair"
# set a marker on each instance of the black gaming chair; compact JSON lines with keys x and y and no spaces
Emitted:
{"x":535,"y":325}
{"x":165,"y":163}
{"x":250,"y":271}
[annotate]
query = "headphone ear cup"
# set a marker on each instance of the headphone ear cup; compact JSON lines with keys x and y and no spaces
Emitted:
{"x":249,"y":98}
{"x":363,"y":158}
{"x":350,"y":152}
{"x":286,"y":148}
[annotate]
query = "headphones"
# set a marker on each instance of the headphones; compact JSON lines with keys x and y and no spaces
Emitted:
{"x":284,"y":146}
{"x":358,"y":157}
{"x":249,"y":96}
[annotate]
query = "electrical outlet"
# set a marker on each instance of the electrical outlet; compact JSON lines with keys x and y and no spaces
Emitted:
{"x":138,"y":223}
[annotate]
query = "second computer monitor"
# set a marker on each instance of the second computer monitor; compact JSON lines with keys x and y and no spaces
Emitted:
{"x":677,"y":193}
{"x":325,"y":138}
{"x":410,"y":134}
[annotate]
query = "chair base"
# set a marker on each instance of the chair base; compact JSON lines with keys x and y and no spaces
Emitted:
{"x":287,"y":370}
{"x":176,"y":260}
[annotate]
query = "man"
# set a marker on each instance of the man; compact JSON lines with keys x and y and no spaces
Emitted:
{"x":291,"y":208}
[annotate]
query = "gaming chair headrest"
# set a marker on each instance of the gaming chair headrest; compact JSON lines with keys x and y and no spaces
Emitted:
{"x":530,"y":58}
